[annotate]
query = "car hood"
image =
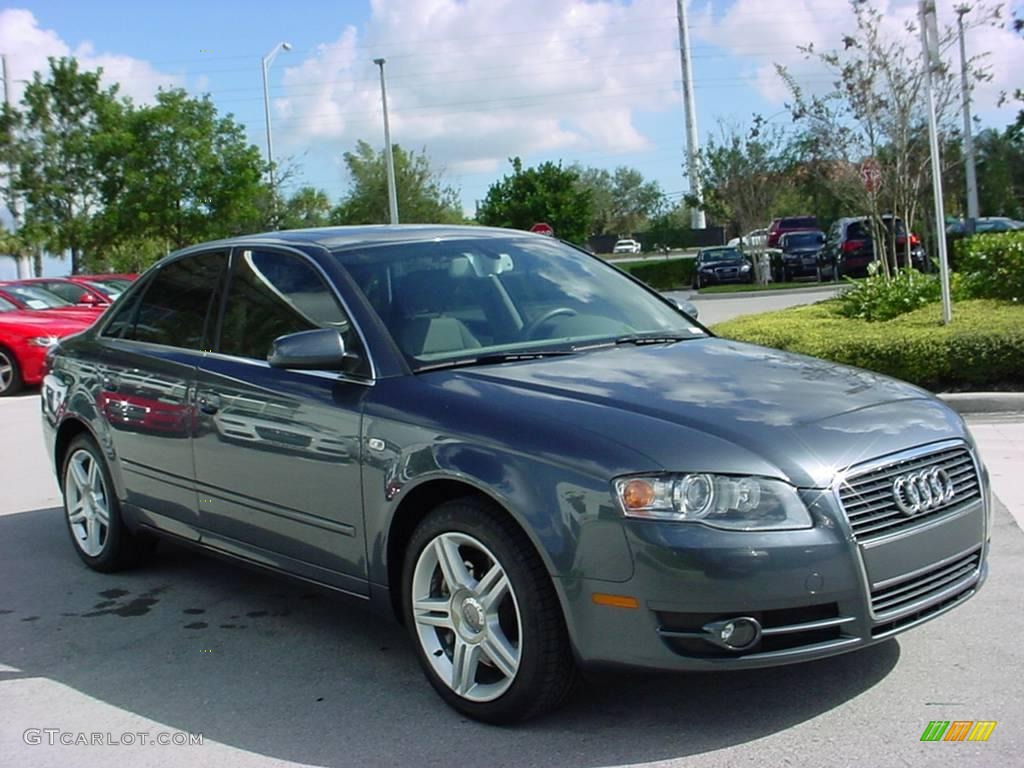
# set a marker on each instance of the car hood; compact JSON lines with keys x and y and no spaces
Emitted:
{"x":718,"y":405}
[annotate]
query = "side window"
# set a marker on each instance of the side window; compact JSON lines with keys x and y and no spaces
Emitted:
{"x":175,"y":306}
{"x":67,"y":291}
{"x":272,"y":294}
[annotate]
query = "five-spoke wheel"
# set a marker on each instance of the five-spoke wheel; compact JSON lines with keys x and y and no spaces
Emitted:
{"x":87,"y":504}
{"x":483,"y":614}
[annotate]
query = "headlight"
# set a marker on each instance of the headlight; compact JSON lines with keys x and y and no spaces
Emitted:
{"x":737,"y":503}
{"x":745,"y":268}
{"x":43,"y":341}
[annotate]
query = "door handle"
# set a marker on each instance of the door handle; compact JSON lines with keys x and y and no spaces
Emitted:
{"x":209,"y":402}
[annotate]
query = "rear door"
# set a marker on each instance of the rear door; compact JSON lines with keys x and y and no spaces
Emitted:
{"x":146,"y":367}
{"x":277,"y":452}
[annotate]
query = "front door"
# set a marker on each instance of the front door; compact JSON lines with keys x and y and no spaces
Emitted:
{"x":277,"y":451}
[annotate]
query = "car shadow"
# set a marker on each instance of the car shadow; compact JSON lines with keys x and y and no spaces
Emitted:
{"x":285,"y":671}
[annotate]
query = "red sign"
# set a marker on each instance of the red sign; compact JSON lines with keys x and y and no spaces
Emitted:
{"x":871,"y":175}
{"x":543,"y":229}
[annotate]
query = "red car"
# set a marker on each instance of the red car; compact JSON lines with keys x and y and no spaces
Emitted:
{"x":25,"y":336}
{"x":32,"y":298}
{"x":84,"y":290}
{"x":779,"y":227}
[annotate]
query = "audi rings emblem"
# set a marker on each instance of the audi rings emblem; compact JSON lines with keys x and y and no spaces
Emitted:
{"x":918,"y":492}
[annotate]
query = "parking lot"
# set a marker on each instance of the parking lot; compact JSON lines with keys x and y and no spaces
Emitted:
{"x":271,"y":673}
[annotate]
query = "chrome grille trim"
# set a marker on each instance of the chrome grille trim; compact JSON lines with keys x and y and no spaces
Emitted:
{"x":916,"y":591}
{"x":865,"y":492}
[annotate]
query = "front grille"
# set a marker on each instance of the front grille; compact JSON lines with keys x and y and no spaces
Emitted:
{"x":868,"y":501}
{"x":919,"y":592}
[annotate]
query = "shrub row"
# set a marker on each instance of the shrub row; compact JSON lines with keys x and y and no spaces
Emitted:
{"x":662,"y":275}
{"x":982,"y":347}
{"x":993,"y":265}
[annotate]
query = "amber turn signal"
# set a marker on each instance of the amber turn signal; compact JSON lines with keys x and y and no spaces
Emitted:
{"x":615,"y":601}
{"x":638,"y":494}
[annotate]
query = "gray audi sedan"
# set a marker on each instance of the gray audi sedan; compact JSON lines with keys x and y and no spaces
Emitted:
{"x":530,"y":459}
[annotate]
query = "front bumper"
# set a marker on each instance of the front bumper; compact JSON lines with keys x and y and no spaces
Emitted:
{"x":815,"y":592}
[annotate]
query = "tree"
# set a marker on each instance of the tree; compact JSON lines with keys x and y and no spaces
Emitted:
{"x":621,"y":202}
{"x":423,"y":195}
{"x":308,"y":207}
{"x":745,"y":174}
{"x":874,"y":115}
{"x":181,"y":174}
{"x":59,"y":173}
{"x":548,"y":193}
{"x":1001,"y":171}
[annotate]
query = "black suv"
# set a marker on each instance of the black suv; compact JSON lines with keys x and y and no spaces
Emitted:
{"x":849,"y":247}
{"x":799,"y":255}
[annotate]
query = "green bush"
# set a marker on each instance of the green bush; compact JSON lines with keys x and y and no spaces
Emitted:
{"x":993,"y":265}
{"x":877,"y":298}
{"x":662,"y":275}
{"x":982,"y":347}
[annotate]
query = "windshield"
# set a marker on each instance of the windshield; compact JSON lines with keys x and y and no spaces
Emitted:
{"x":36,"y":298}
{"x":110,"y":284}
{"x":108,"y":289}
{"x":473,"y":297}
{"x":719,"y":254}
{"x":804,"y":239}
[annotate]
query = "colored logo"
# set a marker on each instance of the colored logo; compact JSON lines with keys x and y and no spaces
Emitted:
{"x":958,"y":730}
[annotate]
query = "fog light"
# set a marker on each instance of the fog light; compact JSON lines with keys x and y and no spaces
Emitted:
{"x":734,"y":634}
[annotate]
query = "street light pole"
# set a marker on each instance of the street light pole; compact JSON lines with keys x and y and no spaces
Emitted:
{"x":697,"y":220}
{"x":388,"y":153}
{"x":267,"y":61}
{"x":932,"y":62}
{"x":972,"y":177}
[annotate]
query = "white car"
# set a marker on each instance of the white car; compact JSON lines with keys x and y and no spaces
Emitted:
{"x":755,"y":239}
{"x":626,"y":246}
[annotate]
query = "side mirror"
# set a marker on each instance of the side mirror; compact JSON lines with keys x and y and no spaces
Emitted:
{"x":318,"y":349}
{"x":88,"y":298}
{"x":686,"y":307}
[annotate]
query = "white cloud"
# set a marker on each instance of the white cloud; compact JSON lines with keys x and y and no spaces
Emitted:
{"x":761,"y":36}
{"x":27,"y":47}
{"x":476,"y":81}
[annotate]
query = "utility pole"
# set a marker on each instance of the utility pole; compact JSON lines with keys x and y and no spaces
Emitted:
{"x":389,"y":157}
{"x":933,"y":62}
{"x":21,"y":262}
{"x":972,"y":177}
{"x":692,"y":142}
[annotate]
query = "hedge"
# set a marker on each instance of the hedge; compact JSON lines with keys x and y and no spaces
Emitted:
{"x":982,"y":348}
{"x":993,"y":265}
{"x":661,"y":274}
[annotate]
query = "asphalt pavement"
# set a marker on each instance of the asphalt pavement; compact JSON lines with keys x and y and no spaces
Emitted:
{"x":719,"y":307}
{"x":274,"y":674}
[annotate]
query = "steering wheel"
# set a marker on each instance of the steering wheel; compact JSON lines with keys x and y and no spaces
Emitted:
{"x":530,"y":330}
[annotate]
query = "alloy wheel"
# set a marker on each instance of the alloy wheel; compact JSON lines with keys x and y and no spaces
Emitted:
{"x":6,"y":372}
{"x":467,"y":616}
{"x":87,"y":502}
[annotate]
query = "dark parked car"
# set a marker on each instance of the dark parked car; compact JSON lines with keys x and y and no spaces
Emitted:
{"x":849,"y":247}
{"x":985,"y":225}
{"x":799,"y":256}
{"x":779,"y":227}
{"x":725,"y":264}
{"x":531,"y":459}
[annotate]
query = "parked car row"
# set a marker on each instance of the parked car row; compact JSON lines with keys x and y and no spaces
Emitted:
{"x":35,"y":313}
{"x":799,"y":249}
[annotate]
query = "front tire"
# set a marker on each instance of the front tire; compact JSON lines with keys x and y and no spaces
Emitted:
{"x":10,"y":373}
{"x":483,"y":615}
{"x":92,"y":512}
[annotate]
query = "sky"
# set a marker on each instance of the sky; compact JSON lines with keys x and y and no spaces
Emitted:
{"x":471,"y":82}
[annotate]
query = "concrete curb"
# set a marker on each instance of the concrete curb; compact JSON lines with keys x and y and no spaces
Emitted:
{"x":984,"y":402}
{"x":816,"y":288}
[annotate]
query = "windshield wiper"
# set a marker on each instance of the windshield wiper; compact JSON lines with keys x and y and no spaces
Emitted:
{"x":656,"y":338}
{"x":504,"y":357}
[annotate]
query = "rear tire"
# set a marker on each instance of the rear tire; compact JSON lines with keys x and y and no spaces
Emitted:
{"x":483,"y":615}
{"x":10,"y":373}
{"x":92,"y":512}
